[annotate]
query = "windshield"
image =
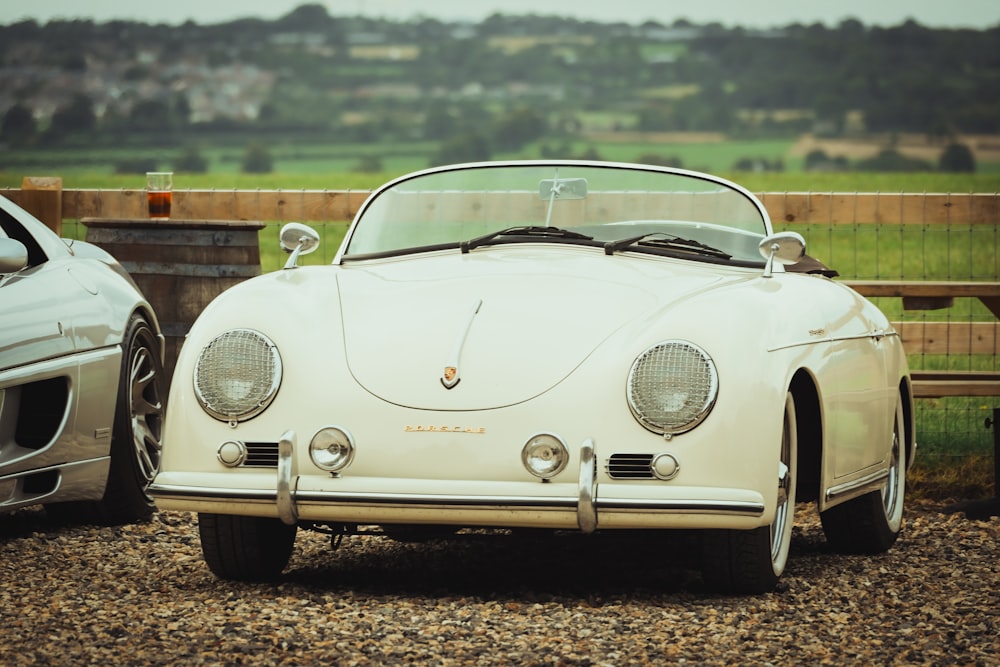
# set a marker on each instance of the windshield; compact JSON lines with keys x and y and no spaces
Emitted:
{"x":615,"y":206}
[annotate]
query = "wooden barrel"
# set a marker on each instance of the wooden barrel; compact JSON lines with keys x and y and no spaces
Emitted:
{"x":180,"y":265}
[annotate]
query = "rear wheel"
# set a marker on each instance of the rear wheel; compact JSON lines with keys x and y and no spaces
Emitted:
{"x":752,"y":561}
{"x":871,"y":523}
{"x":245,"y":548}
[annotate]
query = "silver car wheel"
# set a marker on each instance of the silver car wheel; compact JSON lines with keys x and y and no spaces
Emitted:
{"x":146,"y":408}
{"x":784,"y":513}
{"x":893,"y":491}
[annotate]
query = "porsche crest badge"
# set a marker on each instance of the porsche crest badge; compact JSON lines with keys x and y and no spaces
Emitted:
{"x":450,"y":377}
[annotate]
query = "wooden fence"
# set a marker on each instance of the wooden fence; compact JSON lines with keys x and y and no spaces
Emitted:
{"x":813,"y":208}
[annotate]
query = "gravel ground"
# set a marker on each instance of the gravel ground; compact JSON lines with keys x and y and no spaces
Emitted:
{"x":142,"y":595}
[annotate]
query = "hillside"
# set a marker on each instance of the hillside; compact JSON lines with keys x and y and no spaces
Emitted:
{"x":506,"y":81}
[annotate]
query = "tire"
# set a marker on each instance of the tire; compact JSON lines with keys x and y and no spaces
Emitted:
{"x":136,"y":441}
{"x":752,"y":561}
{"x":245,"y":548}
{"x":870,"y":524}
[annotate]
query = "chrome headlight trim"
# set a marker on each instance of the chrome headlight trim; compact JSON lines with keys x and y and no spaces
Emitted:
{"x":544,"y":455}
{"x":237,"y":375}
{"x":332,"y":448}
{"x":672,"y":387}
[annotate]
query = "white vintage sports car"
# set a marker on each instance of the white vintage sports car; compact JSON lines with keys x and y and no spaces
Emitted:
{"x":566,"y":345}
{"x":81,"y":378}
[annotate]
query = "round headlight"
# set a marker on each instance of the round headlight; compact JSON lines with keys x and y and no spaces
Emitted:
{"x":331,"y":448}
{"x":672,"y":387}
{"x":544,"y":456}
{"x":237,"y":375}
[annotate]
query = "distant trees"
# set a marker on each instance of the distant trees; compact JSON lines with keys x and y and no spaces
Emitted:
{"x":818,"y":160}
{"x":136,"y":166}
{"x":509,"y":84}
{"x":257,"y":160}
{"x":759,"y":164}
{"x":191,"y":161}
{"x":74,"y":119}
{"x":957,"y":158}
{"x":469,"y":146}
{"x":890,"y":159}
{"x":519,"y":127}
{"x":18,"y":127}
{"x":150,"y":116}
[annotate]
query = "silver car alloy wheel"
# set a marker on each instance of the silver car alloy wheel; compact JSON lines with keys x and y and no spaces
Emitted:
{"x":892,"y":492}
{"x":146,"y":407}
{"x":781,"y":527}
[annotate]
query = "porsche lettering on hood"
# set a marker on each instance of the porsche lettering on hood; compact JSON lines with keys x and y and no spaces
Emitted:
{"x":466,"y":321}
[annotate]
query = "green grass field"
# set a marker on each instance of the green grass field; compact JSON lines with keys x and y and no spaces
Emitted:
{"x":333,"y":166}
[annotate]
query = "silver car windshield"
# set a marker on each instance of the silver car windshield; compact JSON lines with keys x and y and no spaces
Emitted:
{"x":619,"y":207}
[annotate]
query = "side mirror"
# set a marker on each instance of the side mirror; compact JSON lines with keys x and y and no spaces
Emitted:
{"x":784,"y":248}
{"x":297,"y":239}
{"x":13,"y":256}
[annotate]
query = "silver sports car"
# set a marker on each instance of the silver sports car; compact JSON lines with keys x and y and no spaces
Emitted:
{"x":81,"y":394}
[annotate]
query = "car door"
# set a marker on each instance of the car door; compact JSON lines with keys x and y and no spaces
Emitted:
{"x":37,"y":303}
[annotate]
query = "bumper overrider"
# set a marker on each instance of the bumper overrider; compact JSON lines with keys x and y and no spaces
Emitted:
{"x":564,"y":506}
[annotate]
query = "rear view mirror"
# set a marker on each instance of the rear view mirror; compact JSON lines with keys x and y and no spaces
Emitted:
{"x":562,"y":188}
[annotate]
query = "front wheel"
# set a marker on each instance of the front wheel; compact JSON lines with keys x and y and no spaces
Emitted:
{"x":870,"y":524}
{"x":136,"y":437}
{"x":752,"y":561}
{"x":245,"y":548}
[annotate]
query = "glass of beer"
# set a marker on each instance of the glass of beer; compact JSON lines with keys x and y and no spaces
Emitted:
{"x":159,"y":193}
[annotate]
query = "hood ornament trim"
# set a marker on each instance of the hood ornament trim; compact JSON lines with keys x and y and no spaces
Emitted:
{"x":451,"y":376}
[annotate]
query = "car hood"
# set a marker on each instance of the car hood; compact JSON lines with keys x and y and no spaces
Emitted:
{"x":512,"y":323}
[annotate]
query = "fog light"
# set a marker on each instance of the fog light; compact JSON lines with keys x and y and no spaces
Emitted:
{"x":544,"y":456}
{"x":232,"y":454}
{"x":331,"y":449}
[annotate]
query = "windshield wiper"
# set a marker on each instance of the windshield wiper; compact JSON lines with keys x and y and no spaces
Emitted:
{"x":664,"y":240}
{"x":524,"y":232}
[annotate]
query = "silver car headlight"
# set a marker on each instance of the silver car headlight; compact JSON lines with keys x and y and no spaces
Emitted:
{"x":672,"y":387}
{"x":237,"y":375}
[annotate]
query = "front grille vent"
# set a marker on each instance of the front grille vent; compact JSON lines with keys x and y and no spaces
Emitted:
{"x":630,"y":466}
{"x":261,"y":455}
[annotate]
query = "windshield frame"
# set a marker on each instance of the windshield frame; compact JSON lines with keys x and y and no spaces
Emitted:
{"x":720,"y":186}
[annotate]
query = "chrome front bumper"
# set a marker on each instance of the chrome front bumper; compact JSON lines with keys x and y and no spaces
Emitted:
{"x":585,"y":508}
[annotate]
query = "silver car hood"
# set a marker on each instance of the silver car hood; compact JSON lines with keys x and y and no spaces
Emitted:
{"x":509,"y":323}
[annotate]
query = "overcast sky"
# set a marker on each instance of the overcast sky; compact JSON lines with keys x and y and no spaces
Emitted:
{"x":748,"y":13}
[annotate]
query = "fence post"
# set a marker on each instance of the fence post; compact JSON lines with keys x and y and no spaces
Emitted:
{"x":995,"y":425}
{"x":42,"y":197}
